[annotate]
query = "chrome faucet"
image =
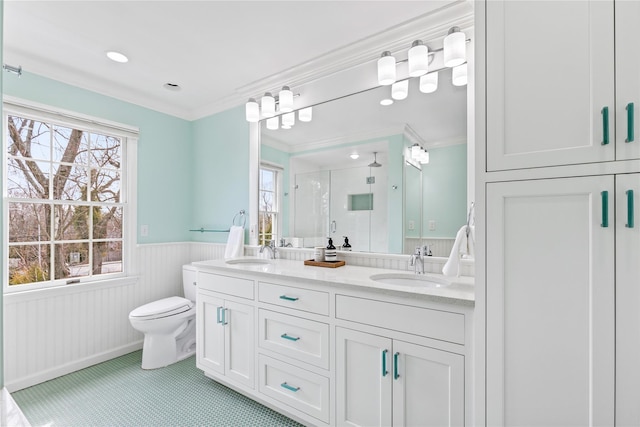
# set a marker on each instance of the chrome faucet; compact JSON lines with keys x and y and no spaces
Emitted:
{"x":272,"y":247}
{"x":418,"y":258}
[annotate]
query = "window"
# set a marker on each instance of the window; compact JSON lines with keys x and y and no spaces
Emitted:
{"x":269,"y":204}
{"x":65,"y":200}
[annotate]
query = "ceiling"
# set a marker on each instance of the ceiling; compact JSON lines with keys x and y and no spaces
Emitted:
{"x":213,"y":50}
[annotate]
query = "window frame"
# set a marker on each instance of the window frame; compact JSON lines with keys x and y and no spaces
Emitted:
{"x":277,"y":212}
{"x":128,"y":186}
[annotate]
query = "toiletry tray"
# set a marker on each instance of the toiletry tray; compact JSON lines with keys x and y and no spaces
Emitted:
{"x":329,"y":264}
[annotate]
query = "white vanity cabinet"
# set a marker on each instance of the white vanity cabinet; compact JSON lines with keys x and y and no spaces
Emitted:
{"x":225,"y":327}
{"x":563,"y":82}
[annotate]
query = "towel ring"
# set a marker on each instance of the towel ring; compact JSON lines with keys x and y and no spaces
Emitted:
{"x":242,"y":218}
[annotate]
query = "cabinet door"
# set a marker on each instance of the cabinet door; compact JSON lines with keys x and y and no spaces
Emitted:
{"x":627,"y":79}
{"x":547,"y":84}
{"x":239,"y":343}
{"x":550,"y":302}
{"x":627,"y":301}
{"x":363,"y":379}
{"x":428,"y":389}
{"x":209,"y":333}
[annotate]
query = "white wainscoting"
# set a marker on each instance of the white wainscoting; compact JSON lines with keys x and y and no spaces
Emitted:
{"x":48,"y":333}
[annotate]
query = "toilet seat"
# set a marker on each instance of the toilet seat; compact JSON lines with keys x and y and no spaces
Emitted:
{"x":162,"y":308}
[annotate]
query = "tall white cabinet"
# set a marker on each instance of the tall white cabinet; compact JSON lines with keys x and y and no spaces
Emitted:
{"x":561,"y":182}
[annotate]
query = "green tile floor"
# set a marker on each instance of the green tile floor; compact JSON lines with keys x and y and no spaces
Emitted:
{"x":119,"y":393}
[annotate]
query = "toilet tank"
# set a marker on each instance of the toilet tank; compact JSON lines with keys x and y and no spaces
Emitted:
{"x":189,"y":282}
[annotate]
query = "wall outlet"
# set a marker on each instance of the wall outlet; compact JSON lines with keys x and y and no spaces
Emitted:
{"x":412,"y":225}
{"x":144,"y":230}
{"x":432,"y":225}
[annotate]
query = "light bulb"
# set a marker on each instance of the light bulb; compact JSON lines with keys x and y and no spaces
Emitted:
{"x":285,"y":97}
{"x":429,"y":83}
{"x":424,"y":157}
{"x":268,"y":105}
{"x":459,"y":75}
{"x":272,"y":123}
{"x":418,"y":59}
{"x":305,"y":114}
{"x":252,"y":111}
{"x":400,"y":90}
{"x":386,"y":69}
{"x":454,"y":48}
{"x":415,"y":151}
{"x":288,"y":119}
{"x":354,"y":156}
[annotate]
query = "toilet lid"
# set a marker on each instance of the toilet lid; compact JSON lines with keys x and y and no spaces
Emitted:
{"x":163,"y":308}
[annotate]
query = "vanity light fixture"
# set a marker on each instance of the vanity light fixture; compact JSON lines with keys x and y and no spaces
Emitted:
{"x":305,"y":114}
{"x":252,"y":111}
{"x":386,"y":101}
{"x":429,"y":83}
{"x":386,"y":69}
{"x":419,"y":154}
{"x":268,"y":103}
{"x":117,"y":56}
{"x":400,"y":90}
{"x":288,"y":119}
{"x":454,"y":48}
{"x":272,"y":123}
{"x":418,"y":59}
{"x":285,"y":98}
{"x":459,"y":75}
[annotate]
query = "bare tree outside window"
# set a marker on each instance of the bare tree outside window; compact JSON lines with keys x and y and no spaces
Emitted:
{"x":64,"y":196}
{"x":268,"y":206}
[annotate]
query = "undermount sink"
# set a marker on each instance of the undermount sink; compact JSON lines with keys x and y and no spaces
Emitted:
{"x":248,"y":261}
{"x":409,"y":280}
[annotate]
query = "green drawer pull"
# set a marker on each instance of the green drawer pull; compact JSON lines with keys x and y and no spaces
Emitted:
{"x":290,"y":388}
{"x":289,"y":337}
{"x":630,"y":118}
{"x":396,"y":375}
{"x":284,"y":297}
{"x":605,"y":208}
{"x":605,"y":125}
{"x":384,"y":363}
{"x":629,"y":223}
{"x":219,"y":315}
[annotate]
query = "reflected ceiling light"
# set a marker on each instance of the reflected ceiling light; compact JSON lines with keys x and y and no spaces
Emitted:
{"x":117,"y":56}
{"x":272,"y":123}
{"x":454,"y":48}
{"x":415,"y":151}
{"x":354,"y":156}
{"x":252,"y":110}
{"x":285,"y":99}
{"x":268,"y":103}
{"x":386,"y":101}
{"x":400,"y":90}
{"x":288,"y":119}
{"x":459,"y":75}
{"x":424,"y":157}
{"x":429,"y":83}
{"x":418,"y":59}
{"x":305,"y":114}
{"x":419,"y":154}
{"x":386,"y":69}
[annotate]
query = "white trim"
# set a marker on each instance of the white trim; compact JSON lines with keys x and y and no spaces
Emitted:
{"x":17,"y":296}
{"x":74,"y":366}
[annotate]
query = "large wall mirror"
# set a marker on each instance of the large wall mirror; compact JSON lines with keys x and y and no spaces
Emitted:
{"x":325,"y":191}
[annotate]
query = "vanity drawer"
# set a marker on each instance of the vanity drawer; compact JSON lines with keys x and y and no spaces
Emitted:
{"x":296,"y":298}
{"x":235,"y":286}
{"x":440,"y":325}
{"x":293,"y":337}
{"x":303,"y":390}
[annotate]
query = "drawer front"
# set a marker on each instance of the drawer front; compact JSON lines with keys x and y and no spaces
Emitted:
{"x":440,"y":325}
{"x":296,"y":298}
{"x":235,"y":286}
{"x":293,"y":337}
{"x":303,"y":390}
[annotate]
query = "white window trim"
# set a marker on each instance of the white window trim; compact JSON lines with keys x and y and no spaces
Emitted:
{"x":17,"y":106}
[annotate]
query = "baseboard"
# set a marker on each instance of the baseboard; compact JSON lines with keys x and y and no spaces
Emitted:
{"x":67,"y":368}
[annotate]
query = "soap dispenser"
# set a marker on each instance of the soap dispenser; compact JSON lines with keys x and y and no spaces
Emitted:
{"x":346,"y":246}
{"x":330,"y":252}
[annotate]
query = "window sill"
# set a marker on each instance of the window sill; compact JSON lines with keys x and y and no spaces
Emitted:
{"x":55,"y":291}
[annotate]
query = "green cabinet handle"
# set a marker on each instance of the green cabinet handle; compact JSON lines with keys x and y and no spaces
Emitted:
{"x":219,"y":315}
{"x":396,"y":375}
{"x":289,"y":337}
{"x":384,"y":363}
{"x":284,"y":297}
{"x":629,"y":223}
{"x":605,"y":125}
{"x":605,"y":208}
{"x":290,"y":388}
{"x":630,"y":118}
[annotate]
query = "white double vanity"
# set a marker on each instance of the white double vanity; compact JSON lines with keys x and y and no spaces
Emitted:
{"x":332,"y":346}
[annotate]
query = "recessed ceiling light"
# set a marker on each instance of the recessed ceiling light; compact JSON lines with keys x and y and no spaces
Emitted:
{"x":172,"y":86}
{"x":354,"y":156}
{"x":117,"y":56}
{"x":386,"y":101}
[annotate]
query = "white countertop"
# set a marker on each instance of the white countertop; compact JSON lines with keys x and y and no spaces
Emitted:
{"x":459,"y":290}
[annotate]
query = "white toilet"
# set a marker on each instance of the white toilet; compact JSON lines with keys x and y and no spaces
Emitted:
{"x":168,"y":325}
